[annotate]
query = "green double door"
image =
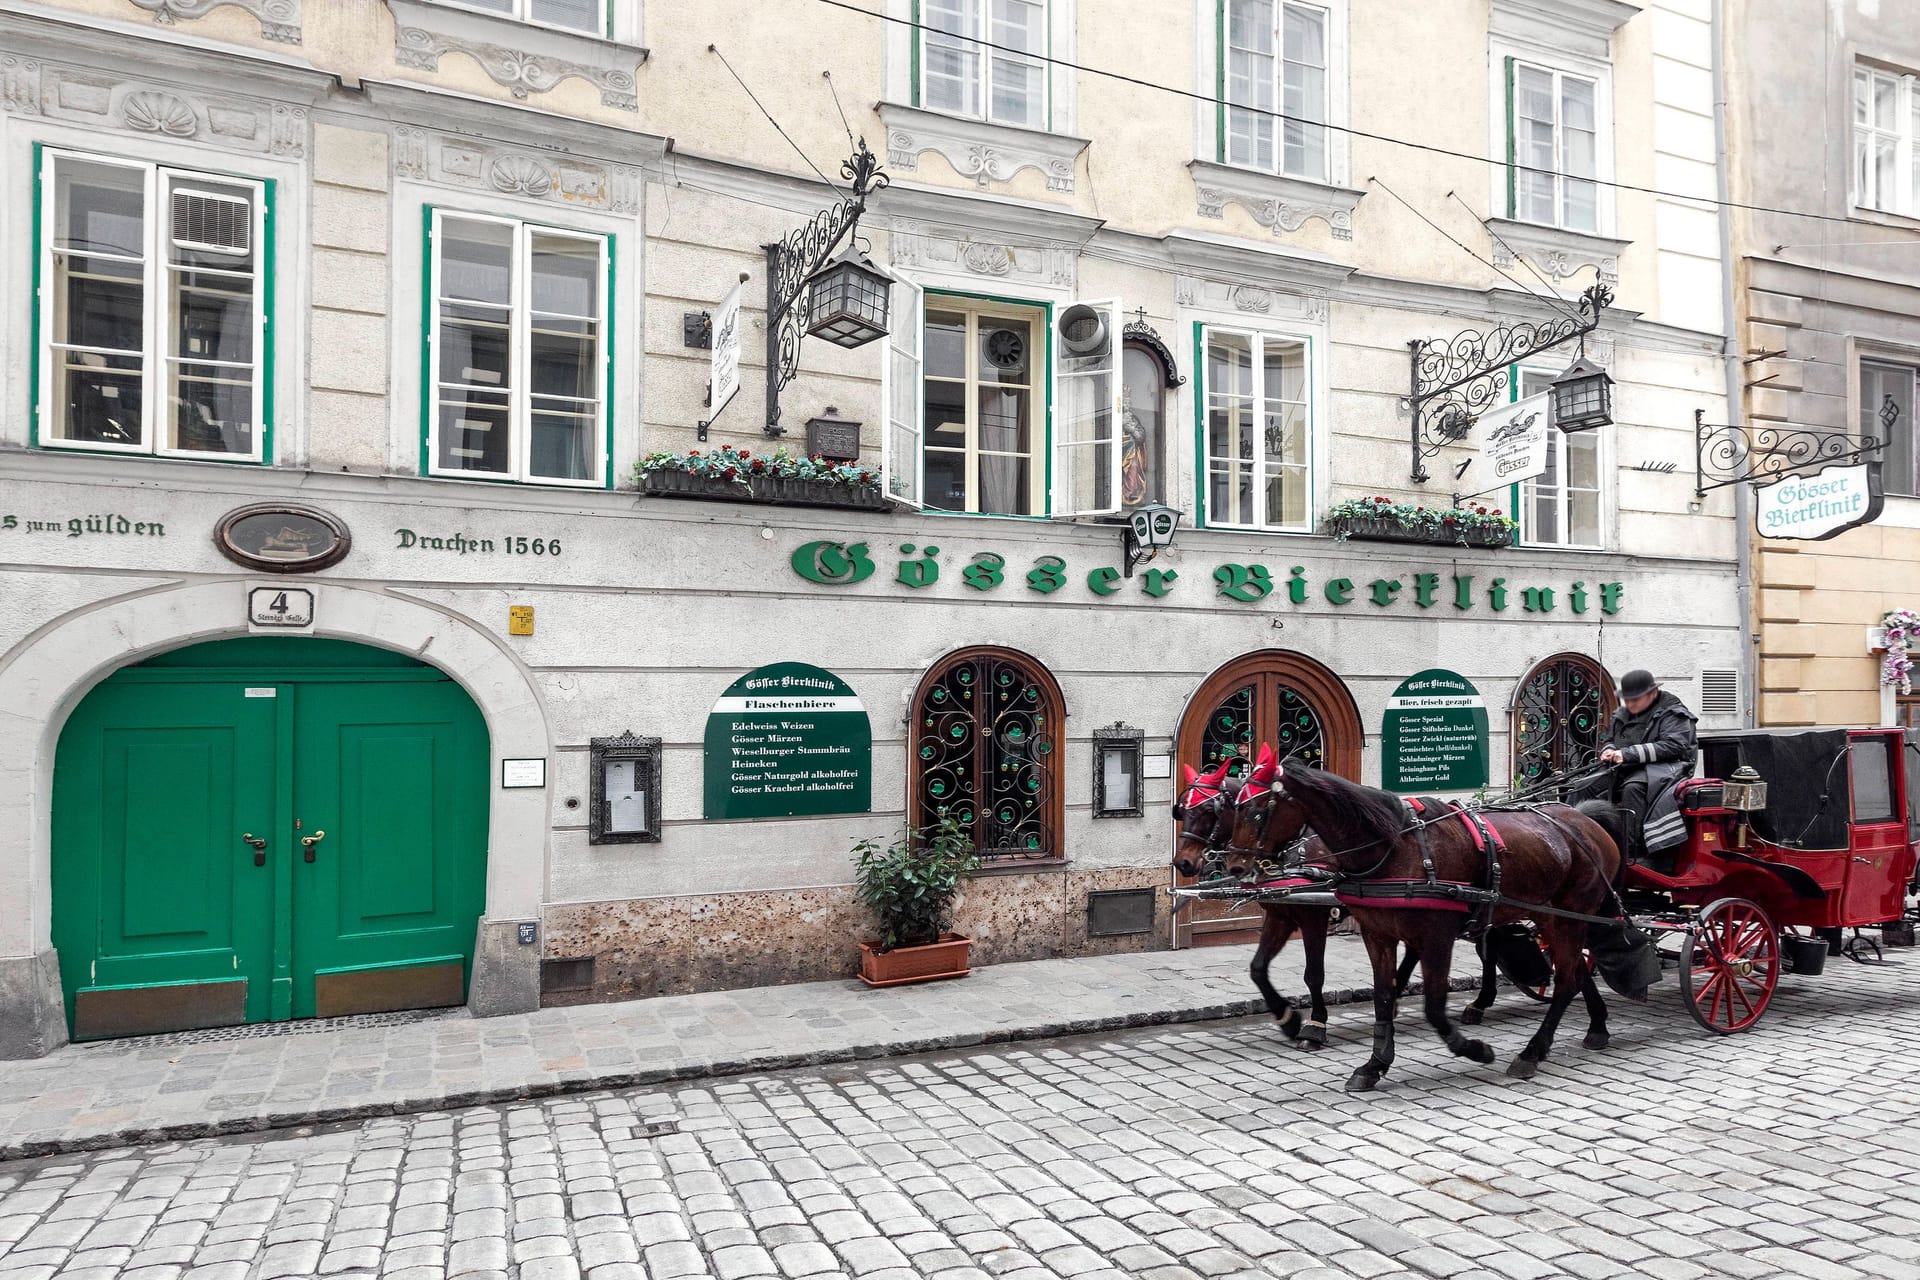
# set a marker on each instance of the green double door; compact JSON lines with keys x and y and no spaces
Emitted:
{"x":267,"y":828}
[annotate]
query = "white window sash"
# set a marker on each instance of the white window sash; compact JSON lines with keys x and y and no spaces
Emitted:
{"x":902,"y":461}
{"x":1274,"y":136}
{"x":1560,"y":494}
{"x":1071,"y":455}
{"x":1558,"y":178}
{"x":1869,"y":134}
{"x":1261,"y":465}
{"x":522,"y":11}
{"x":520,"y":394}
{"x":155,"y":330}
{"x":979,"y":19}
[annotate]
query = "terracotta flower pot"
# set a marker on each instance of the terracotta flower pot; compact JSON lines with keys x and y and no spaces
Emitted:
{"x":929,"y":962}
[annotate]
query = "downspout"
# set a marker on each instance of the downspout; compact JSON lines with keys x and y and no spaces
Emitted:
{"x":1736,"y":386}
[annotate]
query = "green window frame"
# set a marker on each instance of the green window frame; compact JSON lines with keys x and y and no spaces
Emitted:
{"x":153,"y":288}
{"x":1258,"y":403}
{"x":1562,"y":188}
{"x":491,"y":352}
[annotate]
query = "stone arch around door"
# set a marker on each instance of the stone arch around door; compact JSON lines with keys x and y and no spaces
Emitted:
{"x":46,"y":676}
{"x":1277,"y":696}
{"x":1559,"y":715}
{"x":1019,"y":747}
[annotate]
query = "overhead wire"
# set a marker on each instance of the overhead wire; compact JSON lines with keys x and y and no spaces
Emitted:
{"x":715,"y":51}
{"x":1348,"y":130}
{"x":1553,"y":301}
{"x":1517,"y":256}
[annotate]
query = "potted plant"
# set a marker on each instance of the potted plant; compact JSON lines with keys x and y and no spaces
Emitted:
{"x":1383,"y":520}
{"x":727,"y":474}
{"x":911,"y":884}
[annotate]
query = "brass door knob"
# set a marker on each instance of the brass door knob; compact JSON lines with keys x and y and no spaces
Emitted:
{"x":259,"y":848}
{"x":307,"y":842}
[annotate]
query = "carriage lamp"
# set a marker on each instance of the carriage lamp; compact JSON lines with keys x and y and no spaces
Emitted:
{"x":1745,"y":792}
{"x":1582,"y":397}
{"x":1147,"y":532}
{"x":847,"y":299}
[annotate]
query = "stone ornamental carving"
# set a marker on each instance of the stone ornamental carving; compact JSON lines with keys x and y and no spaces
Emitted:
{"x":988,"y":259}
{"x":149,"y":111}
{"x":279,"y":19}
{"x":1554,"y":252}
{"x":1222,"y":295}
{"x":517,"y":70}
{"x":1247,"y":298}
{"x":986,"y":153}
{"x":88,"y":98}
{"x":935,"y":252}
{"x":410,"y":152}
{"x":520,"y":175}
{"x":1282,"y":205}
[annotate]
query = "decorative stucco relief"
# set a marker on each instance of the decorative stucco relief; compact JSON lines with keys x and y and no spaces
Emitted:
{"x":987,"y":153}
{"x":450,"y":161}
{"x":1556,"y":253}
{"x":86,"y":97}
{"x":1282,"y":205}
{"x":935,"y":251}
{"x":538,"y":60}
{"x":1253,"y":300}
{"x":279,"y":19}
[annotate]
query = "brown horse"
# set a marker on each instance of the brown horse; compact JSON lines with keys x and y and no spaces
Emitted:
{"x":1220,"y":817}
{"x":1553,"y":856}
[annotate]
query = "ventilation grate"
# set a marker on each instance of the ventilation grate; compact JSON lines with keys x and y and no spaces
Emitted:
{"x":1720,"y":692}
{"x":209,"y":222}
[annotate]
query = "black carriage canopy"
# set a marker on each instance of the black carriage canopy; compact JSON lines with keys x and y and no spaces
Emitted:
{"x":1809,"y":791}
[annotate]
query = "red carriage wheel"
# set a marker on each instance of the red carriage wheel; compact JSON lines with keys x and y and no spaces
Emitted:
{"x":1729,"y":965}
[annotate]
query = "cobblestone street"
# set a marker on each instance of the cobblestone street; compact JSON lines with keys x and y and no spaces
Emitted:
{"x":1161,"y":1152}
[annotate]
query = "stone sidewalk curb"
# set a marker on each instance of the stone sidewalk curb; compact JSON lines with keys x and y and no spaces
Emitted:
{"x":590,"y":1082}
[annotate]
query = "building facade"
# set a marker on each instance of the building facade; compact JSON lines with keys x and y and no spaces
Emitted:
{"x":350,"y":664}
{"x":1830,"y":336}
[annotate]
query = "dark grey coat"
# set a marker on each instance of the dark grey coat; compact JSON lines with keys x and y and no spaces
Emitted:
{"x":1661,"y":741}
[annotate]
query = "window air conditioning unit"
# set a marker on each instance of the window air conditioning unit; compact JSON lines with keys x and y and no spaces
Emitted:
{"x":212,"y":222}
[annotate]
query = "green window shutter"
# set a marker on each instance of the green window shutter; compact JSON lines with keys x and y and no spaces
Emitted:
{"x":606,"y":388}
{"x":1512,"y":198}
{"x":913,"y":33}
{"x":267,"y":288}
{"x":1220,"y":82}
{"x":427,"y":305}
{"x":35,"y":337}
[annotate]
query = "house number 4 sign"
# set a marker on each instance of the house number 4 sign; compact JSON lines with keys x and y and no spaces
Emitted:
{"x":280,"y":607}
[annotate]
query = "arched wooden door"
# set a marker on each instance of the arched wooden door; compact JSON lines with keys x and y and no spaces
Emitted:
{"x":1275,"y":696}
{"x":1559,"y":716}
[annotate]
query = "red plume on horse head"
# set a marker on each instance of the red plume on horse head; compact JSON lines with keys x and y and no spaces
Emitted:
{"x":1266,"y":767}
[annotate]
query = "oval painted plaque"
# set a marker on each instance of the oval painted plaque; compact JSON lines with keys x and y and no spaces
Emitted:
{"x":281,"y":538}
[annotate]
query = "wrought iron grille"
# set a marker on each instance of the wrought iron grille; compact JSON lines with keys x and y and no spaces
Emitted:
{"x":1297,"y":734}
{"x":985,"y":749}
{"x":1559,"y":719}
{"x":1229,"y":734}
{"x":1233,"y":732}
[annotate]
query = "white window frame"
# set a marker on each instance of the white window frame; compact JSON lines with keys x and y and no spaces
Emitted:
{"x":1532,"y":380}
{"x":1559,"y":76}
{"x":520,"y":391}
{"x":1333,"y":23}
{"x":1889,"y":358}
{"x":159,"y":179}
{"x":1503,"y":187}
{"x":922,"y":32}
{"x":522,"y":12}
{"x":1040,"y":386}
{"x":1904,"y":199}
{"x":1310,"y":355}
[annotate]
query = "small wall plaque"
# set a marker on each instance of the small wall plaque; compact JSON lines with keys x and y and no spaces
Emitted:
{"x":524,"y":773}
{"x":529,"y":933}
{"x":519,"y":619}
{"x":281,"y":537}
{"x":1157,"y":765}
{"x":280,"y":607}
{"x":834,"y":437}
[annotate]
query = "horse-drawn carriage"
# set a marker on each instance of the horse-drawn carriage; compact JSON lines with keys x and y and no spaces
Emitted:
{"x":1793,"y":836}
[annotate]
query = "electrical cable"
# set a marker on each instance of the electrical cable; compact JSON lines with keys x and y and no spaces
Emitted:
{"x":1522,"y":259}
{"x":828,"y":77}
{"x":1461,"y":245}
{"x":715,"y":51}
{"x":1348,"y":130}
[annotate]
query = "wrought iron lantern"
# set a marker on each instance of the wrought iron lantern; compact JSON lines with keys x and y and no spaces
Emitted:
{"x":1582,"y":397}
{"x":847,"y":299}
{"x":1148,"y":531}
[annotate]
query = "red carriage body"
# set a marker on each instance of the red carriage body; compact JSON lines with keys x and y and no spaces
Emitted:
{"x":1833,"y":846}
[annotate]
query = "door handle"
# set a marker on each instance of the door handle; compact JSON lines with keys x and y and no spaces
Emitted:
{"x":259,"y":848}
{"x":307,"y":842}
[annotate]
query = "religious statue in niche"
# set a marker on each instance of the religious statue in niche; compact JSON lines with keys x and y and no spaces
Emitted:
{"x":1141,"y":400}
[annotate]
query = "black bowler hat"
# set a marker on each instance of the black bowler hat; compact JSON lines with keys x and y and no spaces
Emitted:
{"x":1637,"y":684}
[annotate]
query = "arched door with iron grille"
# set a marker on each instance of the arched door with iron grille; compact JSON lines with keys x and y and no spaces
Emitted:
{"x":1288,"y":700}
{"x":985,"y":745}
{"x":1560,"y":714}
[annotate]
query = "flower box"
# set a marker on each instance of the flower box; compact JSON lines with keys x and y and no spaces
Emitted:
{"x":1376,"y":530}
{"x":930,"y":962}
{"x":773,"y":490}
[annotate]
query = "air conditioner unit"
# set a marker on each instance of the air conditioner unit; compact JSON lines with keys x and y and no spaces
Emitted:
{"x":212,"y":222}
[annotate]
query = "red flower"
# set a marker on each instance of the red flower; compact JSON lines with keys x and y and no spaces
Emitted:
{"x":866,"y":477}
{"x":729,"y":473}
{"x":759,"y":464}
{"x":693,"y":453}
{"x":745,"y":453}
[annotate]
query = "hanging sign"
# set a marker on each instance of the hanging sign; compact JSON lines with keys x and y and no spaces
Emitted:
{"x":1434,"y":735}
{"x":1819,"y":506}
{"x":1514,"y":439}
{"x":723,"y":375}
{"x":788,"y":739}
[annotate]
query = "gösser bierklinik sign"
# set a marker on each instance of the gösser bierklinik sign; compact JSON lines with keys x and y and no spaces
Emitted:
{"x":1810,"y":508}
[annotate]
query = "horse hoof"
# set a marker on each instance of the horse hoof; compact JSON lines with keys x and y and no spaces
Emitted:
{"x":1362,"y":1082}
{"x":1310,"y":1046}
{"x":1471,"y":1015}
{"x":1291,"y":1024}
{"x":1523,"y":1069}
{"x":1597,"y":1040}
{"x":1479,"y":1051}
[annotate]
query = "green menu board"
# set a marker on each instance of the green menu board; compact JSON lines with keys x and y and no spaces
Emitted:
{"x":788,"y":739}
{"x":1434,"y":735}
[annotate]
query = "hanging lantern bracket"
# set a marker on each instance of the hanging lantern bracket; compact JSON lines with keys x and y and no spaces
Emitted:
{"x":1727,"y":455}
